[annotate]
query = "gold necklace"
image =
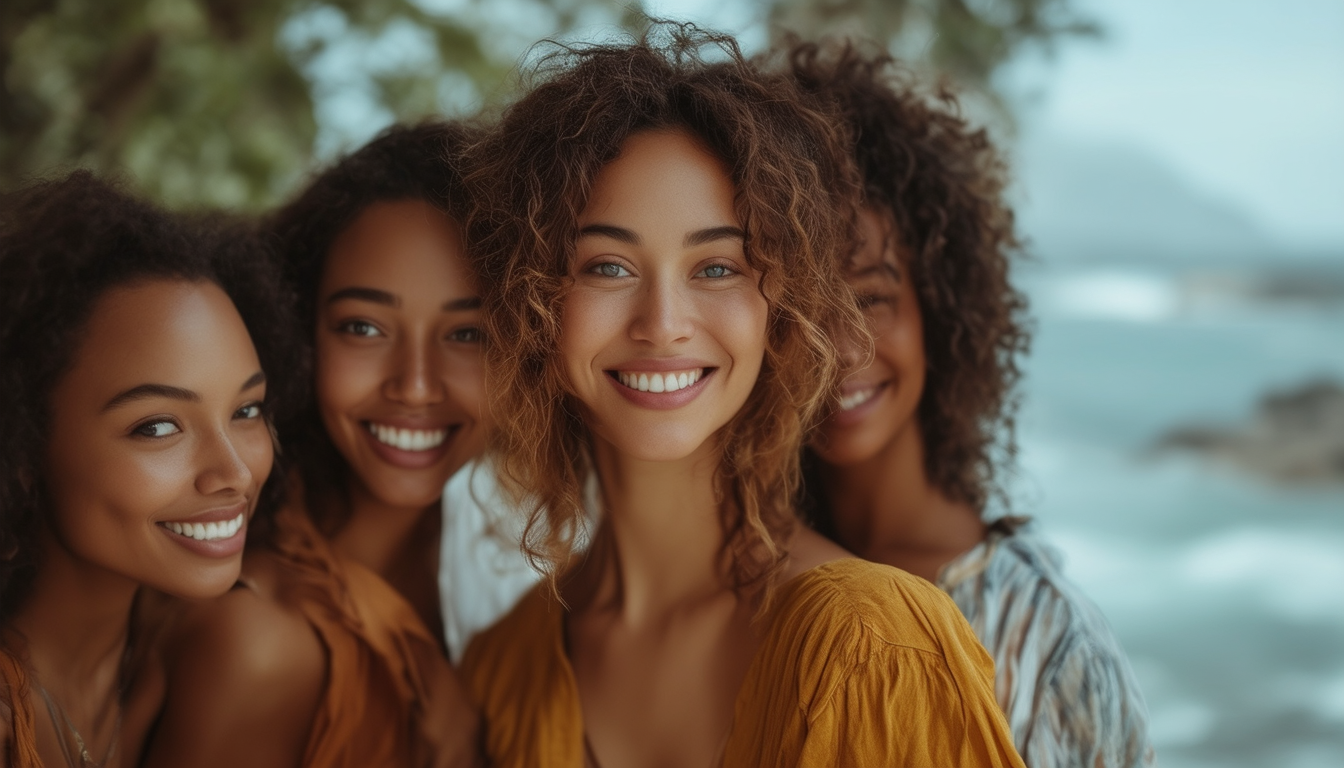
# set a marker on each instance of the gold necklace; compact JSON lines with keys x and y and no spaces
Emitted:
{"x":85,"y":759}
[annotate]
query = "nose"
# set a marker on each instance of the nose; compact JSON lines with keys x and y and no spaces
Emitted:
{"x":414,"y":379}
{"x":663,"y":315}
{"x":222,"y":468}
{"x":855,"y":348}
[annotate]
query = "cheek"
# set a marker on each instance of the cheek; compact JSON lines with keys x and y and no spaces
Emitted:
{"x":742,"y":318}
{"x":105,"y":489}
{"x":345,"y":377}
{"x":587,"y":321}
{"x":465,"y":381}
{"x":257,"y":450}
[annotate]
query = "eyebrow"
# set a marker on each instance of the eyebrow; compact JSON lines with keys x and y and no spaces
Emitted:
{"x":365,"y":294}
{"x":699,"y":237}
{"x":619,"y":234}
{"x":146,"y":391}
{"x":463,"y":304}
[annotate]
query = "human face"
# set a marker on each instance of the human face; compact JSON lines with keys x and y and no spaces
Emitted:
{"x":158,"y":447}
{"x":663,"y":332}
{"x":399,"y":380}
{"x":878,"y":402}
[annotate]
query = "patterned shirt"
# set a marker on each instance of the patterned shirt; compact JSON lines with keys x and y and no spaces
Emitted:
{"x":1061,"y":676}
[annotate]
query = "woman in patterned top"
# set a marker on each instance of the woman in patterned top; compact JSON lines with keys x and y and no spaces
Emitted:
{"x":902,"y":472}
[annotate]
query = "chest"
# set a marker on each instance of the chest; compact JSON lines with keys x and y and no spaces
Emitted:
{"x":662,"y":697}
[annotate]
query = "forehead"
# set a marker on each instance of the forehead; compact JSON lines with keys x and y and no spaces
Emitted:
{"x":175,"y":332}
{"x":403,"y":247}
{"x":663,"y":176}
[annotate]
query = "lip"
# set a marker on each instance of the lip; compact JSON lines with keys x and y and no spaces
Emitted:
{"x":661,"y":401}
{"x":219,"y":548}
{"x":409,"y":459}
{"x":856,"y":415}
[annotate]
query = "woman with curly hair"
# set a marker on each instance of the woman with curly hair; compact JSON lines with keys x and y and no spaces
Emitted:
{"x":140,"y":368}
{"x":902,"y":472}
{"x":330,"y":652}
{"x":658,"y":240}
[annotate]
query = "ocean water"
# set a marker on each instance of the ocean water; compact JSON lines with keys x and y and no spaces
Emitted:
{"x":1226,"y":589}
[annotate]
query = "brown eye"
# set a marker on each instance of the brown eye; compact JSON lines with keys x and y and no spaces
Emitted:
{"x":359,"y":328}
{"x":157,"y":428}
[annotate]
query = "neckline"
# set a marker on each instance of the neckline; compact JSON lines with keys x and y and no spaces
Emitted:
{"x":783,"y":591}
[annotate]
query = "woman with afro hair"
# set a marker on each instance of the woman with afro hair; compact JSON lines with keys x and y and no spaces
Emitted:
{"x":902,"y":472}
{"x":141,"y":367}
{"x":658,"y":229}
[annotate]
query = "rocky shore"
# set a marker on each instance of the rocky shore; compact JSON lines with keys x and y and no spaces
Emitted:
{"x":1294,"y":436}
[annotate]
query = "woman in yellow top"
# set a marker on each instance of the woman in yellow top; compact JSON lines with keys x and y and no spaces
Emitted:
{"x":657,"y":238}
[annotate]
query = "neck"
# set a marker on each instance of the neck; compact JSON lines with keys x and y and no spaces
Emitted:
{"x":377,"y":535}
{"x":74,"y":623}
{"x":660,"y":541}
{"x":886,"y":510}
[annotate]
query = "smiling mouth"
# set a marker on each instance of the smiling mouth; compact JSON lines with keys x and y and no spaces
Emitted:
{"x":224,"y":529}
{"x":670,"y":381}
{"x":408,"y":439}
{"x":854,"y":399}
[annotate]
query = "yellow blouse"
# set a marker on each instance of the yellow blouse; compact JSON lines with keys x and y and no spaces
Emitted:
{"x":862,"y":665}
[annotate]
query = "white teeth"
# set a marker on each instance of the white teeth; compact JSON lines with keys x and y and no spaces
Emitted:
{"x":660,"y":382}
{"x":855,"y":399}
{"x":209,"y":531}
{"x":408,"y":439}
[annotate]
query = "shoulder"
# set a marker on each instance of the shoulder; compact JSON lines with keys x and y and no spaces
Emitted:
{"x":515,"y":645}
{"x":856,"y":598}
{"x":1072,"y":685}
{"x":245,"y":639}
{"x":239,"y":665}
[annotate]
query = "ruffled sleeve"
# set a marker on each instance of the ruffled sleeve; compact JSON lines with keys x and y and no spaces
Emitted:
{"x":867,"y":665}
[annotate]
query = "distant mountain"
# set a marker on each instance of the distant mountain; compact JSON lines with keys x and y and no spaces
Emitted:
{"x":1098,"y":201}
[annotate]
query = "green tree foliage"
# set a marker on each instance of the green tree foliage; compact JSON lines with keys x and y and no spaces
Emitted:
{"x":227,"y":102}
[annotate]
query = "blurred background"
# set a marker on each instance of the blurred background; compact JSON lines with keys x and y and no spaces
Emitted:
{"x":1179,"y":170}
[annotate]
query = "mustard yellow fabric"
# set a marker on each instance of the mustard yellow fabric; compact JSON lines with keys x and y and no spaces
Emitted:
{"x":383,"y":664}
{"x":21,"y":751}
{"x":862,"y":665}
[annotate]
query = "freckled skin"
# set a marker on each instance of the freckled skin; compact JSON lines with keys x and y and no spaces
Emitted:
{"x":659,"y":644}
{"x":114,"y":472}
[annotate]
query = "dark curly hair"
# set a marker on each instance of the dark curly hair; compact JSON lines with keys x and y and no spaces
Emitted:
{"x":942,"y":184}
{"x":419,"y":162}
{"x":796,"y":195}
{"x":63,"y":244}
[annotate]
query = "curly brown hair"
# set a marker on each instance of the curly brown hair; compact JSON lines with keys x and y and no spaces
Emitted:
{"x":404,"y":162}
{"x":942,"y":184}
{"x":796,"y":194}
{"x":63,"y":244}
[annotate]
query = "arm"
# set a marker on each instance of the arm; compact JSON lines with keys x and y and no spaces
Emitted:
{"x":244,"y":681}
{"x":1089,"y":710}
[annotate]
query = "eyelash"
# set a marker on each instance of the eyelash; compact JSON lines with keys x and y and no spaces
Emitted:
{"x":477,"y":335}
{"x":349,"y":326}
{"x":248,"y":412}
{"x":600,"y":269}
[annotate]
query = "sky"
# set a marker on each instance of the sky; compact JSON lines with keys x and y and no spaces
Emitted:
{"x":1242,"y":101}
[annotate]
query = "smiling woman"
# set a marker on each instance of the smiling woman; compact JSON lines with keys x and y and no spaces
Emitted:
{"x":330,"y":652}
{"x":659,"y":240}
{"x":135,"y":448}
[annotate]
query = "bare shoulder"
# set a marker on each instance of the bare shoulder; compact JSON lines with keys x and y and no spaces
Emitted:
{"x":808,"y":550}
{"x":245,"y":676}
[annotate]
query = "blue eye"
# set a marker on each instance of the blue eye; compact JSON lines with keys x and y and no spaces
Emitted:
{"x":359,"y":328}
{"x":159,"y":428}
{"x":715,"y":271}
{"x":609,"y":269}
{"x":249,"y":411}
